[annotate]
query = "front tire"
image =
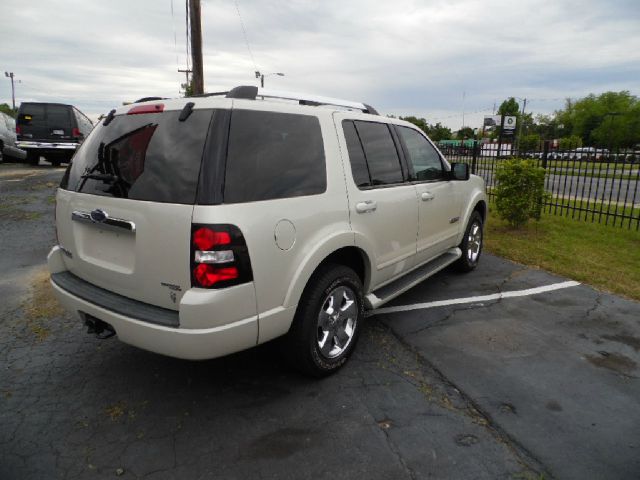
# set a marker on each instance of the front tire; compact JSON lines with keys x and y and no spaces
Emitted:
{"x":471,"y":244}
{"x":327,"y":323}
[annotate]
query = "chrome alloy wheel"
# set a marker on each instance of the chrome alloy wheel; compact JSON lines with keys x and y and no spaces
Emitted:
{"x":474,"y":242}
{"x":337,"y":322}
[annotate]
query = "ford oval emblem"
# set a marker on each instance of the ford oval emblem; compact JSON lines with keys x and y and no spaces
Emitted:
{"x":98,"y":216}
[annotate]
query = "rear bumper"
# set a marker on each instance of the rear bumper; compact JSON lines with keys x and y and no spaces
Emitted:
{"x":186,"y":343}
{"x":42,"y":146}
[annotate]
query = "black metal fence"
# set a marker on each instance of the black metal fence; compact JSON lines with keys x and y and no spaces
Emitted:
{"x":588,"y":184}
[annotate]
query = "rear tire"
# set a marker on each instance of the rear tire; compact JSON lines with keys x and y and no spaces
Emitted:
{"x":471,"y":244}
{"x":327,"y":323}
{"x":1,"y":154}
{"x":33,"y":158}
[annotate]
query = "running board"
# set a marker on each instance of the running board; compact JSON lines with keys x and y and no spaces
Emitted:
{"x":390,"y":291}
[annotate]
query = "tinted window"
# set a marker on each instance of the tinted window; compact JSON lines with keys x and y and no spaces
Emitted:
{"x":380,"y":151}
{"x":58,"y":116}
{"x":84,"y":124}
{"x":424,"y":158}
{"x":273,"y":155}
{"x":151,"y":157}
{"x":32,"y":114}
{"x":356,"y":155}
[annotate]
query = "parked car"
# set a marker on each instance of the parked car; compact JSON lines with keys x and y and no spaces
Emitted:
{"x":8,"y":146}
{"x":590,"y":153}
{"x":198,"y":227}
{"x":51,"y":130}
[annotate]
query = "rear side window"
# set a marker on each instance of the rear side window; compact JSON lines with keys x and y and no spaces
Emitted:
{"x":151,"y":157}
{"x":273,"y":155}
{"x":380,"y":152}
{"x":358,"y":162}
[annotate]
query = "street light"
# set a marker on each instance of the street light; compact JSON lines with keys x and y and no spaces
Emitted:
{"x":13,"y":91}
{"x":262,"y":75}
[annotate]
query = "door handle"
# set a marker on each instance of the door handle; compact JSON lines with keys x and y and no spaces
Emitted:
{"x":426,"y":196}
{"x":366,"y":206}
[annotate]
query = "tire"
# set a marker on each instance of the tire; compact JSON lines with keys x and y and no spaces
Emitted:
{"x":1,"y":153}
{"x":322,"y":337}
{"x":33,"y":158}
{"x":471,"y":244}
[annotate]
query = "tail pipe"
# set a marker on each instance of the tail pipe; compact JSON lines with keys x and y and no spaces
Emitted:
{"x":99,"y":328}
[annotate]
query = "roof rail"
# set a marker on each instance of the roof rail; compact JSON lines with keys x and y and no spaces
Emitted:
{"x":251,"y":93}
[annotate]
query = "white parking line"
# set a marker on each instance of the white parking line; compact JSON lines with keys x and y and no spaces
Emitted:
{"x":478,"y":299}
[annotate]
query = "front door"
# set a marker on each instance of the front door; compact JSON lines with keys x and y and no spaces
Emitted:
{"x":383,"y":206}
{"x":439,"y":206}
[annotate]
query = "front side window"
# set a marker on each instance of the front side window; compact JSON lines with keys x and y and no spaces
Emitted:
{"x":273,"y":155}
{"x":422,"y":155}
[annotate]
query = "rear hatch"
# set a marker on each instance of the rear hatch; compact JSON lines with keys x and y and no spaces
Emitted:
{"x":46,"y":122}
{"x":125,"y":205}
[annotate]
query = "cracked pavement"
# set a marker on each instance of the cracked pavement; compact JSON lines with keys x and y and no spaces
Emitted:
{"x":525,"y":387}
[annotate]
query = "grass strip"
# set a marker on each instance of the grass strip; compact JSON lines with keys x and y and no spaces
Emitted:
{"x":605,"y":257}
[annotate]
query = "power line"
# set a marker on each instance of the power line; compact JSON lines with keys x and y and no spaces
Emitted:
{"x":244,"y":33}
{"x":175,"y":37}
{"x":187,"y":33}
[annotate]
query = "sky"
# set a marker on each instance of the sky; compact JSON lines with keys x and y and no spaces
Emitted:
{"x":441,"y":60}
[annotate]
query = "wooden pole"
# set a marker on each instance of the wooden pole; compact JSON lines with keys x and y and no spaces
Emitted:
{"x":196,"y":47}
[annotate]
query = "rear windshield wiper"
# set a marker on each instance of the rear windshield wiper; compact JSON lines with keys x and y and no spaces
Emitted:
{"x":104,"y":177}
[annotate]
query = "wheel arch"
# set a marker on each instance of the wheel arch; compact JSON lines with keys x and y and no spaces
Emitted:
{"x":478,"y":203}
{"x":335,"y":250}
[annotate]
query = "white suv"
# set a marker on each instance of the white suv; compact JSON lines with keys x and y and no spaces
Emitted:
{"x":203,"y":226}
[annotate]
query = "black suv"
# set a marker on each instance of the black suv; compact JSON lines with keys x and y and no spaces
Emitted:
{"x":51,"y":130}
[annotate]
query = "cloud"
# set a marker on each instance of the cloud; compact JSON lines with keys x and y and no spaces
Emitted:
{"x":403,"y":57}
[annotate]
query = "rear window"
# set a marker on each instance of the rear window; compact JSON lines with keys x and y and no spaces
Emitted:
{"x":273,"y":155}
{"x":58,"y":115}
{"x":32,"y":114}
{"x":152,"y":157}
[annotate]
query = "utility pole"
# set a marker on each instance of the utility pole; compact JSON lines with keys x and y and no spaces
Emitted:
{"x":196,"y":46}
{"x":186,"y":72}
{"x":13,"y":90}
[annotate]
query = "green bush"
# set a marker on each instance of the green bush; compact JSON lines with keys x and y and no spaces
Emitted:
{"x":520,"y":191}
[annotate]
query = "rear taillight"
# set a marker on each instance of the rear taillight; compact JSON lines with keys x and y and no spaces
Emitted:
{"x":18,"y":130}
{"x":219,"y":257}
{"x":75,"y":133}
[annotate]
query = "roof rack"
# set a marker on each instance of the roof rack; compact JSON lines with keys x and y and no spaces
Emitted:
{"x":249,"y":92}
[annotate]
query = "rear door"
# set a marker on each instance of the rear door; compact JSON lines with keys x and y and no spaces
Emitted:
{"x":46,"y":122}
{"x":383,"y":206}
{"x":124,"y":210}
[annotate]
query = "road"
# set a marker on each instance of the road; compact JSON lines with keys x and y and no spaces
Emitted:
{"x":540,"y":385}
{"x":584,"y":187}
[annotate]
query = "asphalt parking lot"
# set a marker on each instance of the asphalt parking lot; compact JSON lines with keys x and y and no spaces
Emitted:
{"x":534,"y":384}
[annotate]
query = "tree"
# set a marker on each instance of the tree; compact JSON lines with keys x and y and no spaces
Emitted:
{"x":465,"y":132}
{"x":421,"y":123}
{"x":435,"y":132}
{"x":611,"y":119}
{"x":4,"y":108}
{"x":509,"y":107}
{"x":439,"y":132}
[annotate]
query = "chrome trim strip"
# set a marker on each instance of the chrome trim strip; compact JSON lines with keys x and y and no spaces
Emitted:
{"x":58,"y":146}
{"x":109,"y":223}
